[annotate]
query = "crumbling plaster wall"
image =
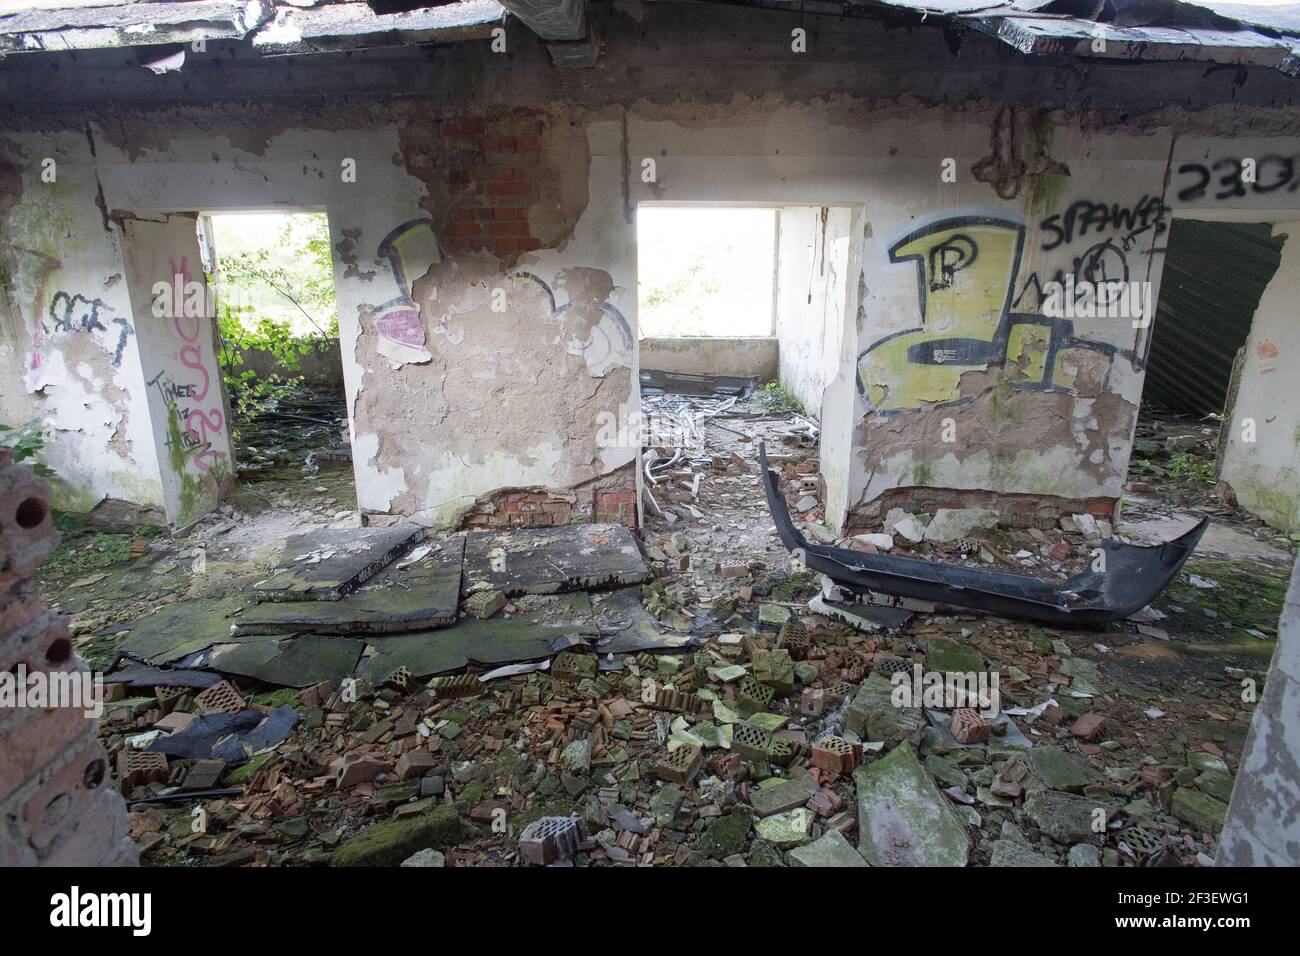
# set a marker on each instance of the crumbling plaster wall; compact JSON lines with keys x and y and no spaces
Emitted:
{"x":1070,"y":435}
{"x":469,"y":367}
{"x":962,"y":390}
{"x":1261,"y":460}
{"x":67,"y":350}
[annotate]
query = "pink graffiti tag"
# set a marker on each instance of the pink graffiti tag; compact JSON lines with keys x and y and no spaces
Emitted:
{"x":200,"y":425}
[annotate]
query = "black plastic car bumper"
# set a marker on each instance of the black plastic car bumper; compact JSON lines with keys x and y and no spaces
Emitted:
{"x":1129,"y":577}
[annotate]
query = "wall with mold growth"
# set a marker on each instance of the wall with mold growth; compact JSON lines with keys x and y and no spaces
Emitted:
{"x":67,"y":337}
{"x":485,"y":268}
{"x":954,"y":387}
{"x":470,"y":367}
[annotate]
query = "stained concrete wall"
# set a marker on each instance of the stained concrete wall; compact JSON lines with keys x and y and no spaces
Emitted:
{"x":811,"y":297}
{"x":444,"y":358}
{"x":498,"y":195}
{"x":1262,"y":827}
{"x":1261,"y":457}
{"x":67,"y":336}
{"x":722,"y":355}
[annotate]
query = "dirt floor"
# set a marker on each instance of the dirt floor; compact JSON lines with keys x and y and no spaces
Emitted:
{"x":731,"y":736}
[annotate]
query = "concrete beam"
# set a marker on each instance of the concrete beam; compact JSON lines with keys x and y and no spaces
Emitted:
{"x":551,"y":19}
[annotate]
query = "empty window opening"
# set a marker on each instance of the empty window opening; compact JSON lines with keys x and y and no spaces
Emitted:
{"x":280,"y":357}
{"x":705,"y":270}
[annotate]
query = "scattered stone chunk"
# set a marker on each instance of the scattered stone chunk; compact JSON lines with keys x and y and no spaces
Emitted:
{"x":786,"y":795}
{"x":903,"y":819}
{"x":1199,"y":810}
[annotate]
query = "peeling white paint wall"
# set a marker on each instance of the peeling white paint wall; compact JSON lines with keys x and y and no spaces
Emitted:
{"x":1261,"y":459}
{"x":811,"y":297}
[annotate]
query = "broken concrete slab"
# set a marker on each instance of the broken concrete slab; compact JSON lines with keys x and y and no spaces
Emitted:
{"x":1199,"y":810}
{"x":950,"y":657}
{"x":868,"y":618}
{"x":903,"y":819}
{"x":545,"y":625}
{"x":294,"y":661}
{"x":330,"y":563}
{"x":423,"y":595}
{"x":398,"y":839}
{"x":950,"y":524}
{"x":141,"y":675}
{"x":787,"y":829}
{"x":782,"y":796}
{"x":1014,"y":853}
{"x":551,"y":560}
{"x":1065,"y":817}
{"x":1058,"y":770}
{"x":175,"y":631}
{"x":872,"y":714}
{"x":626,"y":627}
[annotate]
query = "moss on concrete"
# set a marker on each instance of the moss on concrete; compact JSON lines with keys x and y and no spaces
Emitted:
{"x":391,"y":842}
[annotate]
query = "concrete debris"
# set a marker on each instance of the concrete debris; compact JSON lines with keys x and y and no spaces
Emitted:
{"x":689,"y":698}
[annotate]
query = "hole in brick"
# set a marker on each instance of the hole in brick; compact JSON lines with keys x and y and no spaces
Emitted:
{"x":56,"y":810}
{"x":31,"y":513}
{"x":59,"y":651}
{"x":94,"y":774}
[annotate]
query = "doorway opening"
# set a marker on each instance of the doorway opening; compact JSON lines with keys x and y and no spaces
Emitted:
{"x":1214,"y":278}
{"x":280,"y":358}
{"x":743,"y":291}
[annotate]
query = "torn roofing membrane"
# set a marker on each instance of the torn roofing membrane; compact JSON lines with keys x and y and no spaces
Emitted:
{"x":272,"y":25}
{"x":1136,"y":30}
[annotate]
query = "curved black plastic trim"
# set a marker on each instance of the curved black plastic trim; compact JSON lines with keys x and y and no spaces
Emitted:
{"x":1132,"y":577}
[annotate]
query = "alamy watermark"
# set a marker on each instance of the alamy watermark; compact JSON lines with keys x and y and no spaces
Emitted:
{"x":947,"y":690}
{"x":39,"y":690}
{"x":1115,"y":299}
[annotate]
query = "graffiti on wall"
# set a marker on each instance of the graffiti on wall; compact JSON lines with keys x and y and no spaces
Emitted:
{"x":73,"y":312}
{"x":607,"y":345}
{"x":410,"y":249}
{"x":1228,"y":178}
{"x":967,"y":271}
{"x":413,"y":247}
{"x":195,"y":410}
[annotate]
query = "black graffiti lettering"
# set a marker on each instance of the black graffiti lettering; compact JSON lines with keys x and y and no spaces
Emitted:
{"x":950,"y":257}
{"x":1103,"y":265}
{"x":1052,"y":224}
{"x":76,"y":313}
{"x":1285,"y":174}
{"x":1232,"y":179}
{"x":1086,"y":216}
{"x":1271,"y":174}
{"x":1197,"y":189}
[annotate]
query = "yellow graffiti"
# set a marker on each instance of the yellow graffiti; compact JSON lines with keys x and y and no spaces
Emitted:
{"x":966,"y":274}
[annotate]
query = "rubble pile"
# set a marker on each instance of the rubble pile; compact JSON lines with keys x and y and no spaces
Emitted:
{"x":573,"y":696}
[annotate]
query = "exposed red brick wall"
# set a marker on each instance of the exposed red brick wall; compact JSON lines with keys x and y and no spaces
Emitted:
{"x":1014,"y":510}
{"x":608,"y":499}
{"x":491,"y":168}
{"x":57,"y":805}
